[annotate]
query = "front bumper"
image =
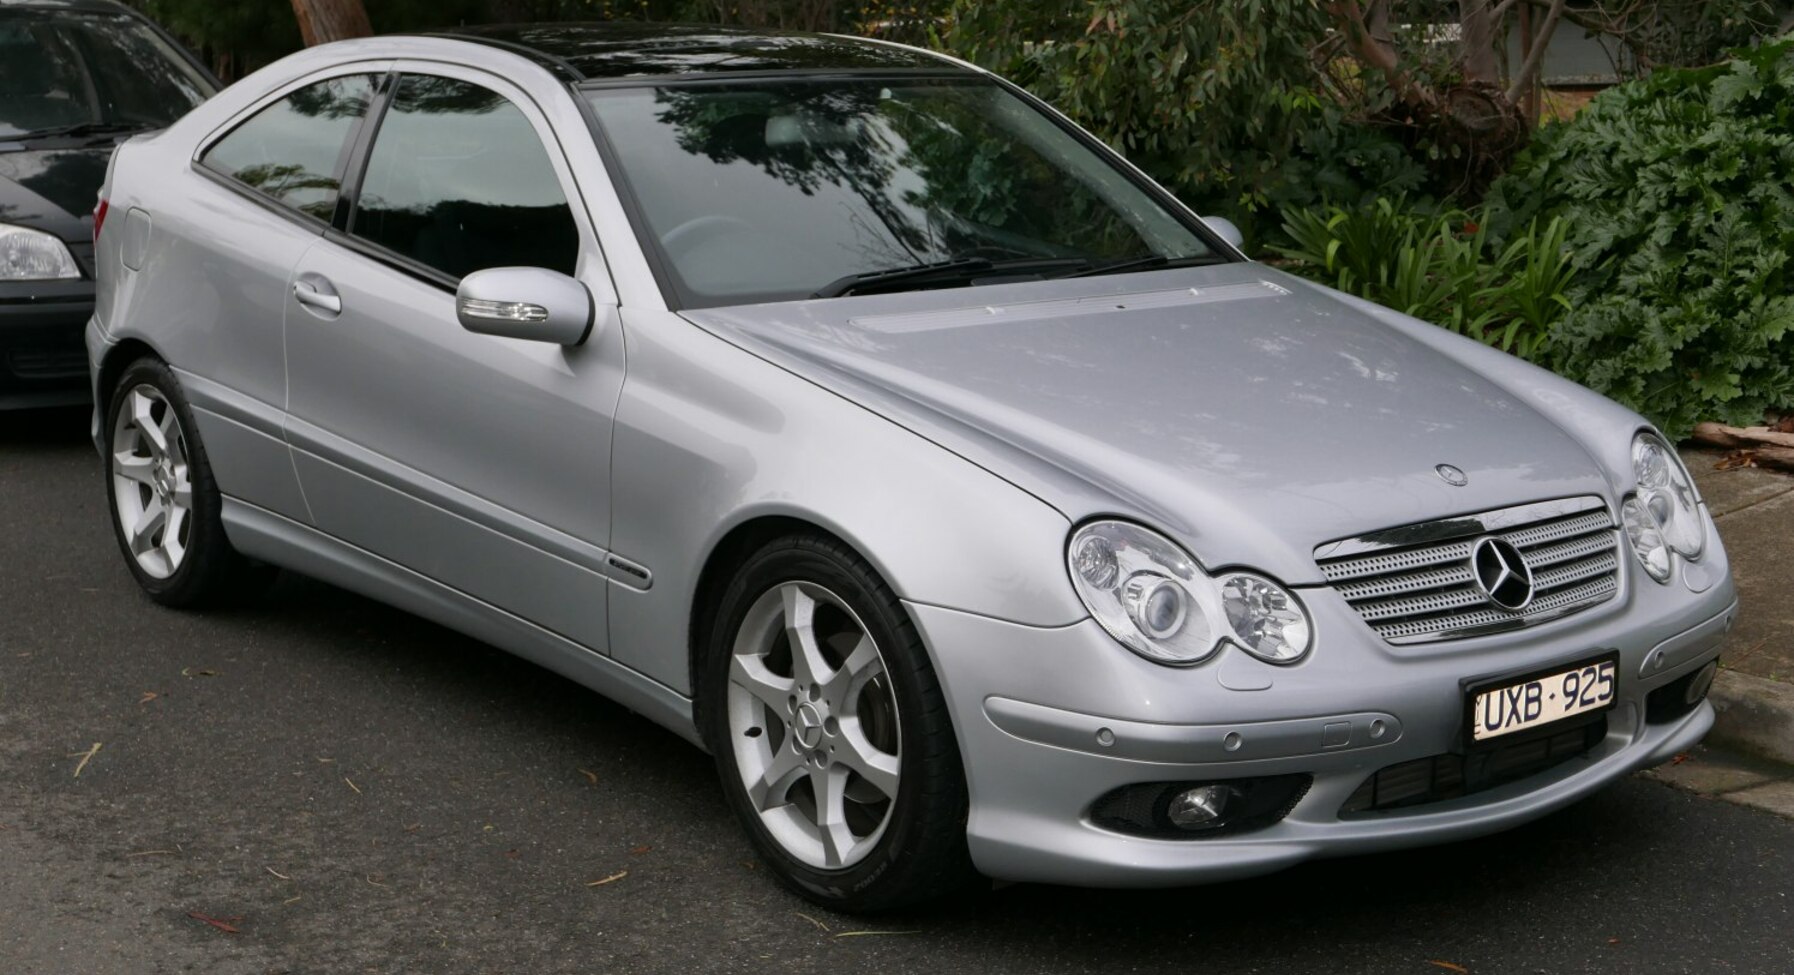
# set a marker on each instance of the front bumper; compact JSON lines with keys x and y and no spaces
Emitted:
{"x":43,"y":360}
{"x":1049,"y":720}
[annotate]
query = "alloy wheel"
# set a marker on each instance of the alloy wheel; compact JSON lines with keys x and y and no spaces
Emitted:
{"x":152,"y":486}
{"x":814,"y":725}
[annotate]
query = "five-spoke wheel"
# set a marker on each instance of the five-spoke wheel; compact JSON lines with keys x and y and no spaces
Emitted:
{"x":152,"y":490}
{"x":166,"y":509}
{"x":831,"y":732}
{"x":814,"y":725}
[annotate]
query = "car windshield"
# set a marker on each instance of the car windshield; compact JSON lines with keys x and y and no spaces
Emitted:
{"x":785,"y":189}
{"x":78,"y":72}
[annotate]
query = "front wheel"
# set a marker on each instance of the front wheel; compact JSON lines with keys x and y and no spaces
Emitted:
{"x":831,"y":733}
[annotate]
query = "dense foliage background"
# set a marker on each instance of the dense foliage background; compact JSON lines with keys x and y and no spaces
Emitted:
{"x":1679,"y":194}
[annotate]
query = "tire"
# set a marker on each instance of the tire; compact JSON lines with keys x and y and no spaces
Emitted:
{"x":165,"y":505}
{"x":862,"y":727}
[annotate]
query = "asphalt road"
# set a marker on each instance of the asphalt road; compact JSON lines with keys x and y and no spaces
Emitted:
{"x":353,"y":790}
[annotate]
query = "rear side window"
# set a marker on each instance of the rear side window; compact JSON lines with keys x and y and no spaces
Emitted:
{"x":292,"y":151}
{"x":459,"y":181}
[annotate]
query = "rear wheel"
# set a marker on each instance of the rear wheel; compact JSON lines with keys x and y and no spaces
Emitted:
{"x":831,"y":733}
{"x":165,"y":505}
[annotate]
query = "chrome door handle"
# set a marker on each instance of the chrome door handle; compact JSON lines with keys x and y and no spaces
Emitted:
{"x":310,"y":295}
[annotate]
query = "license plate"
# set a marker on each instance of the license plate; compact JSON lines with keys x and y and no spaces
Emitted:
{"x":1538,"y":701}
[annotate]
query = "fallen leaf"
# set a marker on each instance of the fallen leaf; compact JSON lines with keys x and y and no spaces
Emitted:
{"x":1448,"y":966}
{"x":277,"y":873}
{"x":1613,"y":941}
{"x":370,"y":879}
{"x":91,"y":752}
{"x":222,"y":924}
{"x":613,"y":878}
{"x":197,"y":672}
{"x":352,"y":785}
{"x":812,"y":920}
{"x":147,"y":697}
{"x":863,"y":934}
{"x":511,"y":854}
{"x":293,"y":900}
{"x":1679,"y":759}
{"x":638,"y":851}
{"x":1736,"y":460}
{"x":414,"y":827}
{"x":1784,"y":425}
{"x":590,"y":775}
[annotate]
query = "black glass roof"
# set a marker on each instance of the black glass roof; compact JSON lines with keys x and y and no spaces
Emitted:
{"x":625,"y":49}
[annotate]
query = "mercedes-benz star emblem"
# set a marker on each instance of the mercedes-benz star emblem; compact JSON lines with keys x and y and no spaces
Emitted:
{"x":1501,"y":573}
{"x":1452,"y":475}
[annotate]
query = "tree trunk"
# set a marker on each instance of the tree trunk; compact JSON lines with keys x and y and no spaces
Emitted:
{"x":322,"y":21}
{"x":1478,"y":28}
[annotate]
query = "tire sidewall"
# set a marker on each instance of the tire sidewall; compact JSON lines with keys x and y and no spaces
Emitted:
{"x":895,"y":636}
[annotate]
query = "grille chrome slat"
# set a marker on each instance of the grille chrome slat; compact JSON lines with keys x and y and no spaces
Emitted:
{"x":1426,"y":592}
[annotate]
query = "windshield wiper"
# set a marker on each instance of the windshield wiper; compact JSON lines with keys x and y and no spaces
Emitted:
{"x":81,"y":129}
{"x":1148,"y":263}
{"x":963,"y":268}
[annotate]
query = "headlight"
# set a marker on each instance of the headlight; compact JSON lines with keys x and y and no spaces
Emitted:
{"x":1156,"y":601}
{"x":32,"y":255}
{"x":1667,"y":493}
{"x":1663,"y":515}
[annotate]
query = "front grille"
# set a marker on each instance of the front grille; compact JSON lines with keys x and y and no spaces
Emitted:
{"x":1443,"y":777}
{"x":1413,"y":584}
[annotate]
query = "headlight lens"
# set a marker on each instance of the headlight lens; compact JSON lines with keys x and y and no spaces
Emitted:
{"x":1647,"y":541}
{"x":32,"y":255}
{"x":1153,"y":598}
{"x":1667,"y":494}
{"x":1266,"y":618}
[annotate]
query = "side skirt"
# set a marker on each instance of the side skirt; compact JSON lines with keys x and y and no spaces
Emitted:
{"x":264,"y":535}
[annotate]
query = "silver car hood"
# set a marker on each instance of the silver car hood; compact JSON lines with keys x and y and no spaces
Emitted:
{"x":1248,"y":414}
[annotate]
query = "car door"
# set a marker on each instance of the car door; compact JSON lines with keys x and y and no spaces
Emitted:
{"x":265,"y":187}
{"x":480,"y":462}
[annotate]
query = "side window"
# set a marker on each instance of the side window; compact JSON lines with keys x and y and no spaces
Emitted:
{"x":290,"y":150}
{"x":458,"y":180}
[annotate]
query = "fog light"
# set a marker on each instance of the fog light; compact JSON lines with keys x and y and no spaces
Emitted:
{"x":1200,"y":807}
{"x":1702,"y":683}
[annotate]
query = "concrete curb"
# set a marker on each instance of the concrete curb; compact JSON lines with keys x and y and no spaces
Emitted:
{"x":1756,"y":716}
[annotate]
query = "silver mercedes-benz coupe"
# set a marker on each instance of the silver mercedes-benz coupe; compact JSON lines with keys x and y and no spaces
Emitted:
{"x":848,"y":411}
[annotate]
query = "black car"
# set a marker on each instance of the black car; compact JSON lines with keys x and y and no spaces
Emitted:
{"x":76,"y":77}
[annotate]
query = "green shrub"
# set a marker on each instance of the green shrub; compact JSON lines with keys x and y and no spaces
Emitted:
{"x":1440,"y":266}
{"x":1679,"y":194}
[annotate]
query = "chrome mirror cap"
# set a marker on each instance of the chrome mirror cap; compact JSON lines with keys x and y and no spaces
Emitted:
{"x":525,"y":303}
{"x":1227,"y":230}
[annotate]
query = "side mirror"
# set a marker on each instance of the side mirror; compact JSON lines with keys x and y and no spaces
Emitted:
{"x":525,"y":303}
{"x":1227,"y":230}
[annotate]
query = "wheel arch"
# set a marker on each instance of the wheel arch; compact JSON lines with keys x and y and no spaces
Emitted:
{"x":113,"y":365}
{"x":724,"y":560}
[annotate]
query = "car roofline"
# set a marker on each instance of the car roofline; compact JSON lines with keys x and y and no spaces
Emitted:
{"x":566,"y":71}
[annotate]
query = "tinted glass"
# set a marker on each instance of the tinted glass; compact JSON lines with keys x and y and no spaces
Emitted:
{"x":760,"y":191}
{"x":290,"y":150}
{"x":458,"y":180}
{"x":66,"y":68}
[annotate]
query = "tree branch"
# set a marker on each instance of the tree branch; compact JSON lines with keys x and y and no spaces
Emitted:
{"x":1378,"y":53}
{"x":1529,"y":71}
